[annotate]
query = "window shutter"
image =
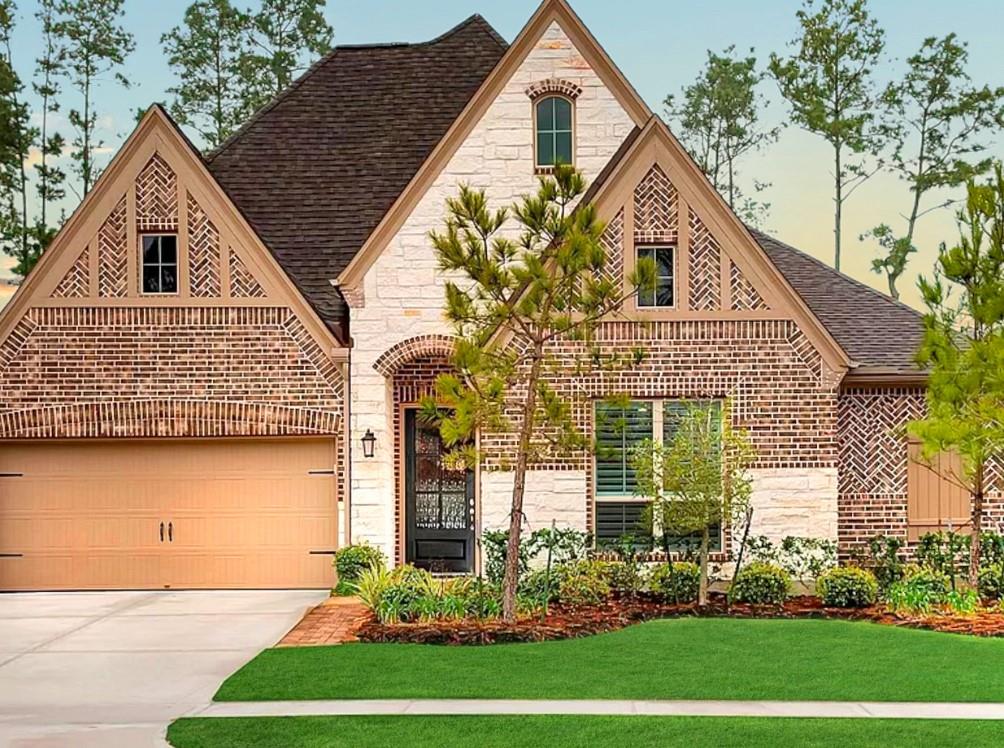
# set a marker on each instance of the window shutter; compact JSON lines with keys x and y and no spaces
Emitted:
{"x":615,"y":519}
{"x":935,"y":501}
{"x":618,"y":431}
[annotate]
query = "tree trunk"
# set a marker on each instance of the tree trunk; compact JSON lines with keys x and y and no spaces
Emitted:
{"x":975,"y":549}
{"x":702,"y":592}
{"x":838,"y":208}
{"x":893,"y":291}
{"x":510,"y":580}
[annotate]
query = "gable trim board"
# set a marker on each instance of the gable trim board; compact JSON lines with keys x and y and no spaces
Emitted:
{"x":550,"y":11}
{"x":157,"y":134}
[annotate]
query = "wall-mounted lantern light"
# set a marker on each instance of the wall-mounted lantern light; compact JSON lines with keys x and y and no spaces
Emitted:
{"x":369,"y":444}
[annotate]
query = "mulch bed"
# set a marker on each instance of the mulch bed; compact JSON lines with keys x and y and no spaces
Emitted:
{"x":563,"y":622}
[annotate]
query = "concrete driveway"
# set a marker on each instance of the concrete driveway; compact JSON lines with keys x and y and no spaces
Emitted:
{"x":114,"y":668}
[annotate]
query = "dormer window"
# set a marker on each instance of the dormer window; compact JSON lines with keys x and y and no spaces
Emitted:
{"x":554,"y":117}
{"x":160,"y":263}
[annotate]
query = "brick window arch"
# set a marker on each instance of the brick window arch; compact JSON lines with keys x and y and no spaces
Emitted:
{"x":553,"y":102}
{"x":421,"y":346}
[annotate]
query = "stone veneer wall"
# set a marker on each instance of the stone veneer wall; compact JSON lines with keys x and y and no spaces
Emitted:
{"x":402,"y":294}
{"x":873,"y":465}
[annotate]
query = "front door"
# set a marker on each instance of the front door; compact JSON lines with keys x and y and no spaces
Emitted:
{"x":439,"y":503}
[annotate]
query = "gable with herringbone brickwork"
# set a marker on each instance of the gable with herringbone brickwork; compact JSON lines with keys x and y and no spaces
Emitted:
{"x":157,"y":197}
{"x":113,"y":261}
{"x":76,"y":284}
{"x":613,"y":243}
{"x":744,"y":294}
{"x":203,"y":252}
{"x":656,"y":209}
{"x":243,"y":284}
{"x":705,"y":267}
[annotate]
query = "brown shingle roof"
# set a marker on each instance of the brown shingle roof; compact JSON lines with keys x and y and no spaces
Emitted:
{"x":316,"y":169}
{"x":875,"y":331}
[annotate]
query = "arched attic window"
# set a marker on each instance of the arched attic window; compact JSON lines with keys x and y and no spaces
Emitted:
{"x":554,"y":122}
{"x":555,"y":117}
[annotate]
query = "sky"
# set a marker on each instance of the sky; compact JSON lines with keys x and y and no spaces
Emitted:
{"x":660,"y":45}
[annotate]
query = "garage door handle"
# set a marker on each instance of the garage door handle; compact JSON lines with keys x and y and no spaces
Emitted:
{"x":170,"y":532}
{"x":161,"y":532}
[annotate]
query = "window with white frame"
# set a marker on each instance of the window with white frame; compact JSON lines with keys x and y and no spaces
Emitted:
{"x":663,"y":295}
{"x":619,"y":429}
{"x":160,"y":263}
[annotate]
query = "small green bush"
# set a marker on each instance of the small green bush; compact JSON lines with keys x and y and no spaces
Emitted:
{"x":624,"y":577}
{"x":919,"y":591}
{"x":582,"y":583}
{"x":847,"y":587}
{"x":678,"y":583}
{"x":351,"y":561}
{"x":761,"y":584}
{"x":963,"y":600}
{"x":992,"y":566}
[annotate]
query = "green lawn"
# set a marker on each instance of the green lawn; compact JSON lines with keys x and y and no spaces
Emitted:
{"x":561,"y":731}
{"x":672,"y":659}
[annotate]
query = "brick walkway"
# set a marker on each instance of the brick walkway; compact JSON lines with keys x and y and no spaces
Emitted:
{"x":335,"y":621}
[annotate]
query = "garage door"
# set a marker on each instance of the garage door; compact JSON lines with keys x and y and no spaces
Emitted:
{"x":169,"y":514}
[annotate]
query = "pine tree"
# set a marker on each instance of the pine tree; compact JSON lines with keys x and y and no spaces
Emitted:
{"x":285,"y":35}
{"x":963,"y":350}
{"x":16,"y":138}
{"x":718,"y":118}
{"x":49,"y":68}
{"x":508,"y":302}
{"x":96,"y":44}
{"x":828,"y":83}
{"x":207,"y":53}
{"x":939,"y":131}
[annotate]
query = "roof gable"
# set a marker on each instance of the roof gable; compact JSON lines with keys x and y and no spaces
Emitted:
{"x":317,"y":169}
{"x":157,"y":183}
{"x":550,"y":12}
{"x":722,"y":270}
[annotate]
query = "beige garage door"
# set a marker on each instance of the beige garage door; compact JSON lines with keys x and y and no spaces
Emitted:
{"x":168,"y":514}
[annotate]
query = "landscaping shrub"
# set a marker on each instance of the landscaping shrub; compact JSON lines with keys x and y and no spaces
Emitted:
{"x":847,"y":587}
{"x":351,"y":561}
{"x":760,"y":583}
{"x":882,"y":557}
{"x":802,"y":557}
{"x":624,"y":577}
{"x":677,"y":583}
{"x":946,"y":553}
{"x":963,"y":601}
{"x":992,"y":565}
{"x":919,"y":591}
{"x":582,"y":583}
{"x":561,"y":544}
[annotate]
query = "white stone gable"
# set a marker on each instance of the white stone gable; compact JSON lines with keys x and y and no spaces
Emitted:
{"x":403,"y":291}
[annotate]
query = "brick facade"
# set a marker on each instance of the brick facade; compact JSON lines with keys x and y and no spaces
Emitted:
{"x":871,"y":429}
{"x":93,"y":358}
{"x":135,"y":372}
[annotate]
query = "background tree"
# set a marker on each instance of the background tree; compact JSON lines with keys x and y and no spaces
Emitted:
{"x":96,"y":46}
{"x":16,"y":137}
{"x":963,"y":350}
{"x":698,"y":479}
{"x":208,"y":53}
{"x":48,"y":70}
{"x":509,"y":301}
{"x":828,"y":83}
{"x":285,"y":36}
{"x":939,"y":133}
{"x":718,"y":118}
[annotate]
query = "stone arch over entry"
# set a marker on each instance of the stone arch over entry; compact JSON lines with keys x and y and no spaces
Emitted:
{"x":412,"y":349}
